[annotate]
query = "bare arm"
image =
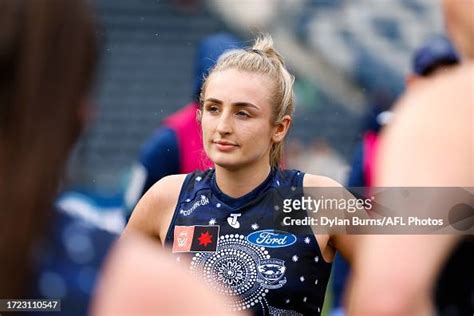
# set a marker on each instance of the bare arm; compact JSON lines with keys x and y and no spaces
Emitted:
{"x":428,"y":144}
{"x":334,"y":240}
{"x":154,"y":211}
{"x":393,"y":274}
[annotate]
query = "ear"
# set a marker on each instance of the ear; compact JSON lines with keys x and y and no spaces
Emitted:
{"x":281,"y":129}
{"x":198,"y":116}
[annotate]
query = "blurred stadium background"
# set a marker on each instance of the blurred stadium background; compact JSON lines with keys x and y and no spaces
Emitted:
{"x":348,"y":56}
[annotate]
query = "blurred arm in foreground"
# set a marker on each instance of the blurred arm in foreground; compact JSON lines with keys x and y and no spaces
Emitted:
{"x":396,"y":273}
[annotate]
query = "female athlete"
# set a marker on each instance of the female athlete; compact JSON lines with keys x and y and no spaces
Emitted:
{"x":223,"y":223}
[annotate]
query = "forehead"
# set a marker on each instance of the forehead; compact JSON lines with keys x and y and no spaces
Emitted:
{"x":231,"y":86}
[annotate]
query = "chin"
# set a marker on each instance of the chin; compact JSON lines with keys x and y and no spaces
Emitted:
{"x":230,"y":163}
{"x":226,"y":164}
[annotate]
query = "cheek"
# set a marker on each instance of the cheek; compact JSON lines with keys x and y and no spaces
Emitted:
{"x":256,"y":133}
{"x":207,"y":125}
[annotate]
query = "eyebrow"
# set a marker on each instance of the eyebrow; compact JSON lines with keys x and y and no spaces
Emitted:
{"x":239,"y":104}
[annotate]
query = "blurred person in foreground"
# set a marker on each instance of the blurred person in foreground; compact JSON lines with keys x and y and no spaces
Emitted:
{"x":434,"y":57}
{"x":176,"y":146}
{"x":48,"y":56}
{"x":439,"y":153}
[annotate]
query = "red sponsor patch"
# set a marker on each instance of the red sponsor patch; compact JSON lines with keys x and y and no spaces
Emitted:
{"x":195,"y":238}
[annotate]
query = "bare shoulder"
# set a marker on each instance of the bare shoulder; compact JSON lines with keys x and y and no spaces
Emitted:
{"x":154,"y":211}
{"x":311,"y":180}
{"x":451,"y":91}
{"x":167,"y":188}
{"x":163,"y":194}
{"x":320,"y":186}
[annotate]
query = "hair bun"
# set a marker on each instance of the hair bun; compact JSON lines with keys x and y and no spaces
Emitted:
{"x":264,"y":45}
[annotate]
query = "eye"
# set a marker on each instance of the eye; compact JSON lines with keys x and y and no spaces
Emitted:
{"x":242,"y":114}
{"x":212,"y":108}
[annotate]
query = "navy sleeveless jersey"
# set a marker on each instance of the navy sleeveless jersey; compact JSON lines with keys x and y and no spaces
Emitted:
{"x":238,"y":248}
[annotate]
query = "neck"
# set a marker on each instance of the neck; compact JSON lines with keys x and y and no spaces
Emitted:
{"x":237,"y":183}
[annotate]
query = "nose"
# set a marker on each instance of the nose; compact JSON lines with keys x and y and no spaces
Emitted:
{"x":224,"y":126}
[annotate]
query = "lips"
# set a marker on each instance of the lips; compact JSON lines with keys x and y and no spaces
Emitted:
{"x":223,"y":145}
{"x":224,"y":142}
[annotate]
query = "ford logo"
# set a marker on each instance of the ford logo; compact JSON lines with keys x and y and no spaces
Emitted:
{"x":271,"y":238}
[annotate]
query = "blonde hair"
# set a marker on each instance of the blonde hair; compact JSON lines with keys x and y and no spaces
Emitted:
{"x":262,"y":58}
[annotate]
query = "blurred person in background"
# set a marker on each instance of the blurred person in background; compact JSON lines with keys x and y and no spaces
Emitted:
{"x":176,"y":147}
{"x":48,"y":56}
{"x":435,"y":56}
{"x":439,"y":153}
{"x":317,"y":157}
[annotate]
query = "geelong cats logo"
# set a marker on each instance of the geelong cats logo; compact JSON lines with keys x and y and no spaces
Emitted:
{"x":271,"y":272}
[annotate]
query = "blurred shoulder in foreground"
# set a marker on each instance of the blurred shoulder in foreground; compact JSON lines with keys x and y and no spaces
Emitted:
{"x":140,"y":279}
